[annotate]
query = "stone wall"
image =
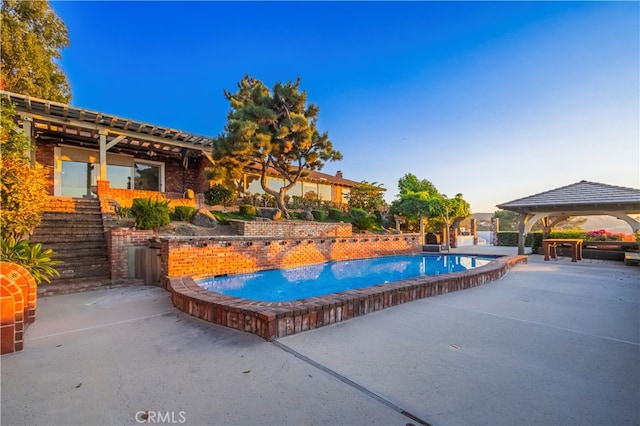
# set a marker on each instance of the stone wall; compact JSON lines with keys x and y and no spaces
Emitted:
{"x":291,"y":228}
{"x":232,"y":255}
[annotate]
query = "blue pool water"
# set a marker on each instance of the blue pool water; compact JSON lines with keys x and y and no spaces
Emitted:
{"x":284,"y":285}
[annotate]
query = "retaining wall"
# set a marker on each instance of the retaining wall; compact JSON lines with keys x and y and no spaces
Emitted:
{"x":232,"y":255}
{"x":291,"y":228}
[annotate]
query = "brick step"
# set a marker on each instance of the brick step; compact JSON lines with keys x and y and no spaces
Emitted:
{"x":71,"y":217}
{"x":69,"y":272}
{"x":80,"y":285}
{"x":69,"y":255}
{"x":68,"y":231}
{"x":64,"y":235}
{"x":71,"y":223}
{"x":77,"y":208}
{"x":51,"y":238}
{"x":78,"y":242}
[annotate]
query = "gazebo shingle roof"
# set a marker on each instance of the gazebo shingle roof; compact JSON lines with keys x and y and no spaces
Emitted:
{"x":581,"y":194}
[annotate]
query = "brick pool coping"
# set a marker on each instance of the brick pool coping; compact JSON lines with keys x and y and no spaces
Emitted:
{"x":271,"y":320}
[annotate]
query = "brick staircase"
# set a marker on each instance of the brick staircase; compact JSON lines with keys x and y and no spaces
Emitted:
{"x":78,"y":240}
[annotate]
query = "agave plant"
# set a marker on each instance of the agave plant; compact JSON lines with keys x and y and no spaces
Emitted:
{"x":32,"y":257}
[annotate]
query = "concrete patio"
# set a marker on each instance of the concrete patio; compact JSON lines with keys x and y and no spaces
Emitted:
{"x":551,"y":343}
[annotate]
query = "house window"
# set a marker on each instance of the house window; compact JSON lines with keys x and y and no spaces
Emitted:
{"x":147,"y":176}
{"x":253,"y":185}
{"x":119,"y":176}
{"x":346,"y":193}
{"x":310,"y":190}
{"x":275,"y":183}
{"x":324,"y":192}
{"x":76,"y":179}
{"x":296,"y":190}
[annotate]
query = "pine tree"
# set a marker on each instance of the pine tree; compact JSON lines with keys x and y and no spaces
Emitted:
{"x":274,"y":128}
{"x":32,"y":37}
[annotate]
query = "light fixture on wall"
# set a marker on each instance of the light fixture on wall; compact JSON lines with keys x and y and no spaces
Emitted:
{"x":151,"y":153}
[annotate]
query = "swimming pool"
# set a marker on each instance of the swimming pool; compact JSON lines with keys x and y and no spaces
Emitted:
{"x":271,"y":320}
{"x":284,"y":285}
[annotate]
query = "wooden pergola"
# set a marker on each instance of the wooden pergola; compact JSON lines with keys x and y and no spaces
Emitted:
{"x":579,"y":199}
{"x":44,"y":118}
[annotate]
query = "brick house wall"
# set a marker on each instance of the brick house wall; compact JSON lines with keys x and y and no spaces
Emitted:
{"x":45,"y":156}
{"x":176,"y":180}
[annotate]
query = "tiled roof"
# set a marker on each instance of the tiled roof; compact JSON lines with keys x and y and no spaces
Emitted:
{"x":311,"y":176}
{"x":582,"y":194}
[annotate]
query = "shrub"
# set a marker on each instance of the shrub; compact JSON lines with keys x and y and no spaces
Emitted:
{"x":23,"y":187}
{"x":150,"y":214}
{"x":35,"y":260}
{"x":123,"y":212}
{"x":296,"y":202}
{"x":363,"y":223}
{"x":358,"y":212}
{"x":220,"y":195}
{"x":604,"y":235}
{"x":248,"y":210}
{"x":510,"y":239}
{"x":335,"y":214}
{"x":361,"y":219}
{"x":183,"y":213}
{"x":318,"y":215}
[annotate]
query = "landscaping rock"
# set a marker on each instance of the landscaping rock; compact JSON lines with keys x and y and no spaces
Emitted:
{"x":306,"y":215}
{"x":186,"y":230}
{"x":204,"y":218}
{"x":269,"y":213}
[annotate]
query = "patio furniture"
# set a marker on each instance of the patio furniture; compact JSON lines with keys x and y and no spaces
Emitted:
{"x":549,"y":247}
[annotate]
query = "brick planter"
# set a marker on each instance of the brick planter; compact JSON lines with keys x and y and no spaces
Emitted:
{"x":17,"y":305}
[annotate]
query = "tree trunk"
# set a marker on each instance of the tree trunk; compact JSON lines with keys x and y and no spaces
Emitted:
{"x":281,"y":204}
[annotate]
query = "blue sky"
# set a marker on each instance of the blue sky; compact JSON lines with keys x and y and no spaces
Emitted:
{"x":494,"y":100}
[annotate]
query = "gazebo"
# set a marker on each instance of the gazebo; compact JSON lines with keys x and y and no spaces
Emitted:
{"x":579,"y":199}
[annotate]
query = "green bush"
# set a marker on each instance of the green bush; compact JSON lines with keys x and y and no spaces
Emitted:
{"x":318,"y":215}
{"x":363,"y":223}
{"x":248,"y":210}
{"x":361,"y":219}
{"x":123,"y":212}
{"x":183,"y":213}
{"x":510,"y":239}
{"x":35,"y":260}
{"x":150,"y":214}
{"x":220,"y":195}
{"x":358,"y":213}
{"x":335,"y":214}
{"x":535,"y":240}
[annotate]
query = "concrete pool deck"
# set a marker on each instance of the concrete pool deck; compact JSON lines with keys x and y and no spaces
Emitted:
{"x":549,"y":343}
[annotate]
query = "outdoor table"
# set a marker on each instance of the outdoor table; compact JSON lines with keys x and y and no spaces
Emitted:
{"x":549,"y":247}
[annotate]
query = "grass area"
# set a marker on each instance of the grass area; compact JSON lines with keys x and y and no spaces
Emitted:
{"x":224,"y":217}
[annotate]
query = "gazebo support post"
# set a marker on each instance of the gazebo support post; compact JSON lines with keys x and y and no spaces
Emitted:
{"x":521,"y":234}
